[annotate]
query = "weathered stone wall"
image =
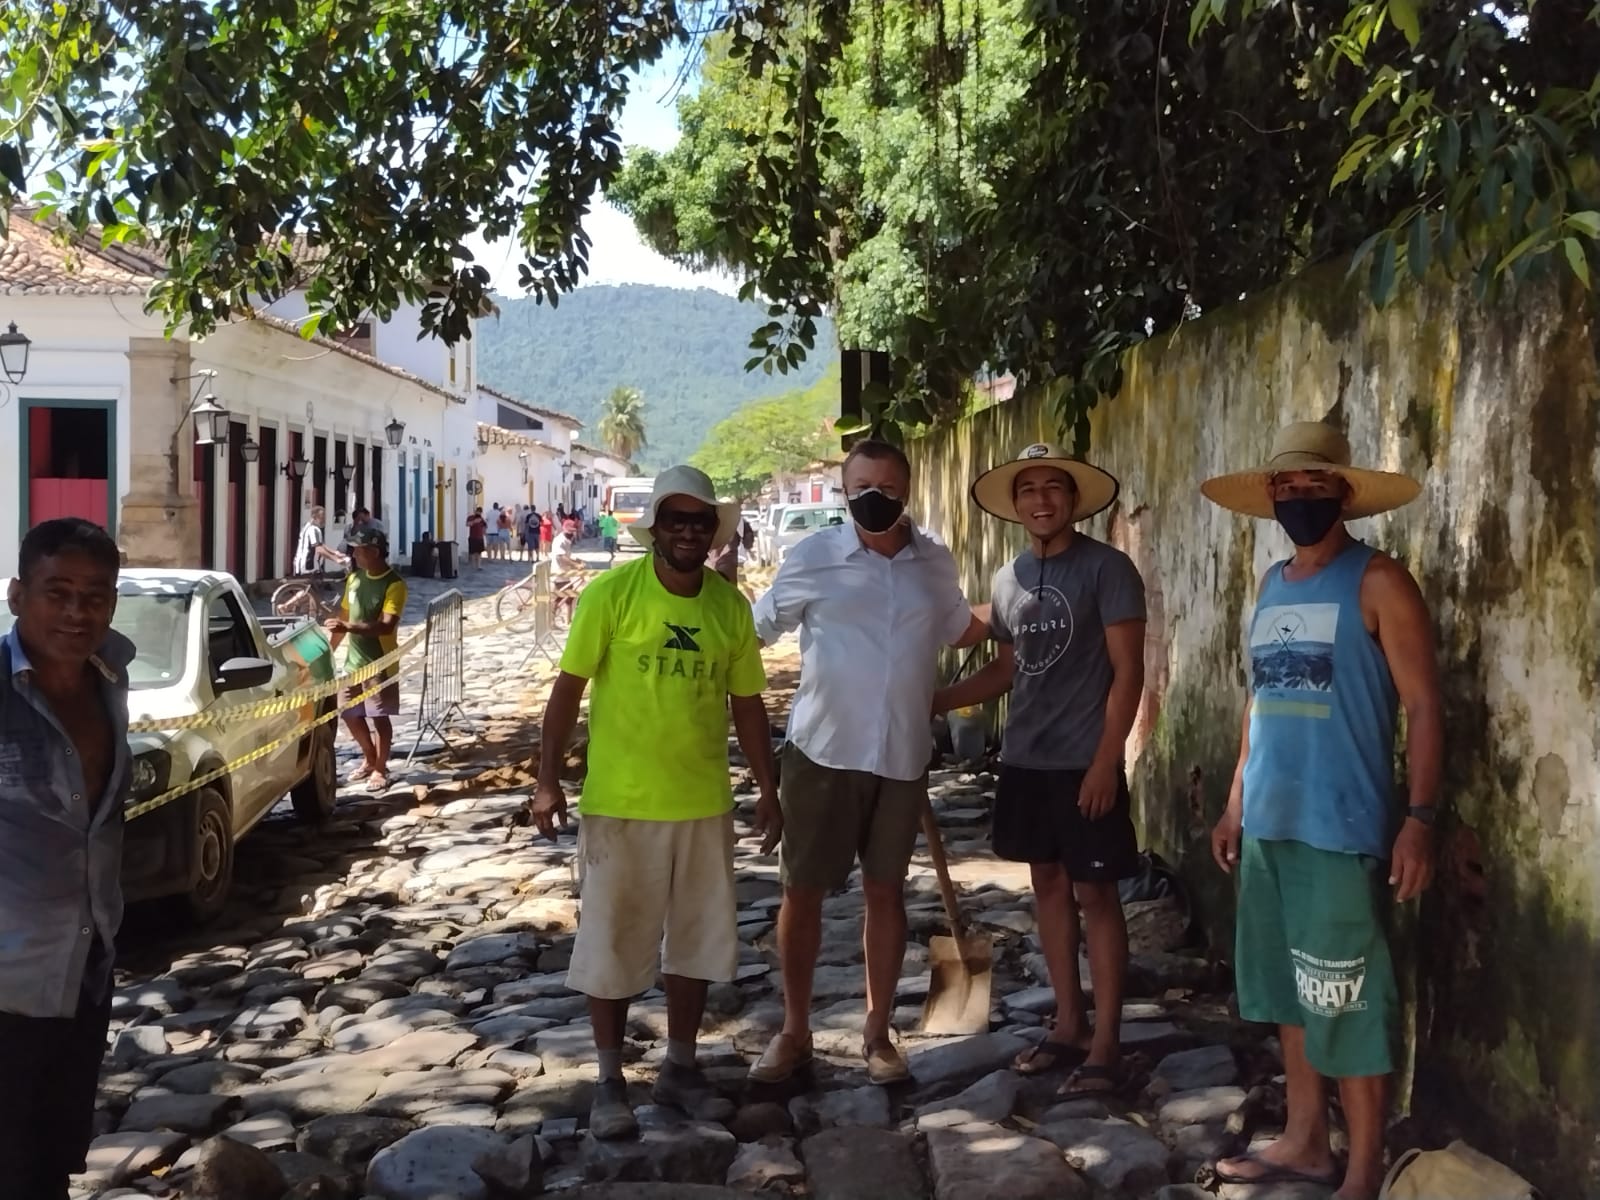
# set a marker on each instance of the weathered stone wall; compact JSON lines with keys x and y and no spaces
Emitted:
{"x":1497,"y":408}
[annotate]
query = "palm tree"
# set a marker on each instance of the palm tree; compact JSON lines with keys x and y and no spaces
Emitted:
{"x":622,"y":422}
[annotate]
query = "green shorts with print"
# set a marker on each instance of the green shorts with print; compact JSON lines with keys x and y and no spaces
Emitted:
{"x":1312,"y":951}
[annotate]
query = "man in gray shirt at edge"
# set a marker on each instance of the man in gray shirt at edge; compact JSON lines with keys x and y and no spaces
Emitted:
{"x":65,"y":774}
{"x":1069,"y":617}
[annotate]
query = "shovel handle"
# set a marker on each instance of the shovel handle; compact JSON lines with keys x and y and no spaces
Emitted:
{"x":952,"y":906}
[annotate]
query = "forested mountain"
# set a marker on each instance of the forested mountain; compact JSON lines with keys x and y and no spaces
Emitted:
{"x":685,"y":350}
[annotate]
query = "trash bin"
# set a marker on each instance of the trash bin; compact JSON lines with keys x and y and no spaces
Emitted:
{"x":422,"y":560}
{"x":447,"y":559}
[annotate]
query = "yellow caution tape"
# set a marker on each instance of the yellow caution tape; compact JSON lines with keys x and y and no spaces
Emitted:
{"x":199,"y":781}
{"x":233,"y":714}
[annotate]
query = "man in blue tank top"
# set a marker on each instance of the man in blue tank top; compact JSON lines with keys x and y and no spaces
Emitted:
{"x":1341,"y":637}
{"x":1069,"y":616}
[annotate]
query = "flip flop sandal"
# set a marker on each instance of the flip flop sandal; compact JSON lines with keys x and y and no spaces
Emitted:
{"x":377,"y":782}
{"x":1273,"y":1173}
{"x":1047,"y":1055}
{"x":359,"y":774}
{"x":1072,"y":1087}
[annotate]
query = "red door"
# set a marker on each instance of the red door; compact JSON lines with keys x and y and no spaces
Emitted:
{"x":68,"y":464}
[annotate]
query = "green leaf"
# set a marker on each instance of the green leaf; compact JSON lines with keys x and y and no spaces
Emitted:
{"x":1587,"y":221}
{"x":1419,"y":247}
{"x":1527,"y":244}
{"x":1353,"y":158}
{"x":1450,"y":149}
{"x":1362,"y":251}
{"x":1576,"y":259}
{"x":1381,"y":282}
{"x":1404,"y":15}
{"x":11,"y":166}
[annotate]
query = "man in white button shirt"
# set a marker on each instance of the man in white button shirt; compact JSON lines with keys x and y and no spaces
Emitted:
{"x":874,"y":601}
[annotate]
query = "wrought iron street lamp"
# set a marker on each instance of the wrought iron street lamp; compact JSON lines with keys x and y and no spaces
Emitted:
{"x":295,"y":468}
{"x":345,"y":471}
{"x":394,"y":431}
{"x":210,"y":421}
{"x":249,"y":451}
{"x":523,"y":456}
{"x":14,"y":353}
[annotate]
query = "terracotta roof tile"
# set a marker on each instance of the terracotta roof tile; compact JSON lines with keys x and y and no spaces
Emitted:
{"x":34,"y":262}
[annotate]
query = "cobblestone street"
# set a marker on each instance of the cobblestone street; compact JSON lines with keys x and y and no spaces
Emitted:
{"x":382,"y":1013}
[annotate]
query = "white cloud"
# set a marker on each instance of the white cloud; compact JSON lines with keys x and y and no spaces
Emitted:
{"x":618,"y":254}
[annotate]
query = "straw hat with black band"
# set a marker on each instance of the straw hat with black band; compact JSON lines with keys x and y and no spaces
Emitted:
{"x":1311,"y":446}
{"x":995,"y":490}
{"x":695,"y":484}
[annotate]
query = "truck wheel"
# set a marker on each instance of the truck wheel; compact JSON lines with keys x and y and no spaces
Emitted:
{"x":316,"y":794}
{"x":213,"y":857}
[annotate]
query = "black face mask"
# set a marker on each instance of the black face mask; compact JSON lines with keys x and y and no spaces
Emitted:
{"x":875,"y":512}
{"x":1307,"y":521}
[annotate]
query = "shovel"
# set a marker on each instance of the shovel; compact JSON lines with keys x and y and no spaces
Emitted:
{"x":962,"y":964}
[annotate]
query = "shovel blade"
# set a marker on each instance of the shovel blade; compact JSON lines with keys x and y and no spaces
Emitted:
{"x":960,"y":975}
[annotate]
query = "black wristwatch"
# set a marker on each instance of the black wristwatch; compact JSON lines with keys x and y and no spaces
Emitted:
{"x":1422,"y":812}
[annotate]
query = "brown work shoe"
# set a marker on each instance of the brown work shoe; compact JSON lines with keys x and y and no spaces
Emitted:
{"x":885,"y":1063}
{"x":784,"y":1055}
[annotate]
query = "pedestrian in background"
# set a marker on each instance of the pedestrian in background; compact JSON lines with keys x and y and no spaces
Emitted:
{"x":477,"y":529}
{"x":874,"y":601}
{"x":547,"y":531}
{"x":502,"y":533}
{"x":530,"y":533}
{"x":1069,"y":616}
{"x":610,"y":527}
{"x":64,"y":780}
{"x":666,"y":648}
{"x":1340,"y":639}
{"x":368,"y":628}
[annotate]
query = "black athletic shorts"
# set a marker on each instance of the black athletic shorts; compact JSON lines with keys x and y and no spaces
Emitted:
{"x":1037,"y":820}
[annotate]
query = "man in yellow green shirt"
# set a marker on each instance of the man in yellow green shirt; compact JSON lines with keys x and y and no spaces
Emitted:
{"x":667,"y":647}
{"x":368,"y":628}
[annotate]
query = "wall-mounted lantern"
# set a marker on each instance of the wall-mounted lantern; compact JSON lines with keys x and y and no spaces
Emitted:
{"x":14,"y":353}
{"x":395,"y":430}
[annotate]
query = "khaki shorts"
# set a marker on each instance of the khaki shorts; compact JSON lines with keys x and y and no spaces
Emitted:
{"x":830,"y":817}
{"x":654,"y":896}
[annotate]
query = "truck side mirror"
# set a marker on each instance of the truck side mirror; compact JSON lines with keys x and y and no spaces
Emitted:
{"x":238,"y":674}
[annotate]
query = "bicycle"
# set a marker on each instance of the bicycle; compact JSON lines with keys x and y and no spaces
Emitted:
{"x":515,"y":607}
{"x":315,"y":596}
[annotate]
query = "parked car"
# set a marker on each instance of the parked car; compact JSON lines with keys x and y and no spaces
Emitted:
{"x":199,"y":644}
{"x":800,"y":521}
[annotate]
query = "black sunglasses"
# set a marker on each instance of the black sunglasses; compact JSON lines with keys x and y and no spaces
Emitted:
{"x":694,"y":522}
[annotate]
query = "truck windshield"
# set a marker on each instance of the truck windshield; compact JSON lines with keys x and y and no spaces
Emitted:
{"x":157,"y":623}
{"x":629,"y":502}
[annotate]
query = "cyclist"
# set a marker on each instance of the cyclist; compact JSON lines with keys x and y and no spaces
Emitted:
{"x":567,"y":571}
{"x":313,"y":549}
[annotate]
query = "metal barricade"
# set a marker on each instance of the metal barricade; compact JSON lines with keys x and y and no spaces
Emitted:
{"x":545,"y":639}
{"x":443,"y":669}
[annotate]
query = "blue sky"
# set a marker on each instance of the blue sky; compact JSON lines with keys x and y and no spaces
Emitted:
{"x":618,"y":255}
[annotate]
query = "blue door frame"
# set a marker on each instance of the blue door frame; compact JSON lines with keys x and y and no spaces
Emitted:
{"x":401,"y":545}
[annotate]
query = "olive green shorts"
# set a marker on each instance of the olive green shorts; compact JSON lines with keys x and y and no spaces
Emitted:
{"x":831,"y":817}
{"x":1312,"y":952}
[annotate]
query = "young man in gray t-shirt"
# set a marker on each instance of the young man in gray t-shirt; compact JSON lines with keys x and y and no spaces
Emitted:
{"x":1069,"y":617}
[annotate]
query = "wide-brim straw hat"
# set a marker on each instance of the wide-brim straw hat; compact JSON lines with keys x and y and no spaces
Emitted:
{"x":696,"y":484}
{"x":1311,"y":446}
{"x":995,"y":490}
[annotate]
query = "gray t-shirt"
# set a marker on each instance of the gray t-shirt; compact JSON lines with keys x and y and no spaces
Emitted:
{"x":1055,"y":611}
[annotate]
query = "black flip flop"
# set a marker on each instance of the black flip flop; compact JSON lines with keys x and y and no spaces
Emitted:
{"x":1082,"y":1074}
{"x":1272,"y":1173}
{"x":1047,"y":1055}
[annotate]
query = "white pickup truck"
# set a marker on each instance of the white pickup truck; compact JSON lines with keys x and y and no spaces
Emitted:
{"x":199,"y":645}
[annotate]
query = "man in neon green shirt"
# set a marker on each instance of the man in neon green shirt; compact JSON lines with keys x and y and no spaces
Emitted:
{"x":609,"y":528}
{"x":666,"y":643}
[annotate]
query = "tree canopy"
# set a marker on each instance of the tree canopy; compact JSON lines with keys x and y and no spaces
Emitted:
{"x":769,"y":438}
{"x":1069,"y":180}
{"x":1018,"y":184}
